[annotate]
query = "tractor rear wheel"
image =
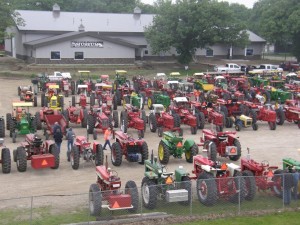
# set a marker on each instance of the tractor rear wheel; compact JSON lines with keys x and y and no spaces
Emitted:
{"x":253,"y":115}
{"x":280,"y":116}
{"x":159,"y":131}
{"x":211,"y":149}
{"x":224,"y":119}
{"x":176,"y":120}
{"x":254,"y":126}
{"x":91,"y":124}
{"x":150,"y":102}
{"x":180,"y":132}
{"x":2,"y":128}
{"x":54,"y":151}
{"x":8,"y":118}
{"x":190,"y":153}
{"x":43,"y":97}
{"x":266,"y":95}
{"x":21,"y":159}
{"x":272,"y":125}
{"x":99,"y":156}
{"x":115,"y":119}
{"x":92,"y":99}
{"x":95,"y":200}
{"x":237,"y":144}
{"x":187,"y":185}
{"x":219,"y":128}
{"x":19,"y":91}
{"x":200,"y":120}
{"x":132,"y":190}
{"x":14,"y":137}
{"x":116,"y":154}
{"x":163,"y":153}
{"x":144,"y":118}
{"x":193,"y":130}
{"x":277,"y":188}
{"x":149,"y":193}
{"x":207,"y":189}
{"x":144,"y":152}
{"x":239,"y":187}
{"x":141,"y":133}
{"x":38,"y":121}
{"x":152,"y":123}
{"x":6,"y":160}
{"x":73,"y":102}
{"x":73,"y":87}
{"x":124,"y":121}
{"x":35,"y":101}
{"x":110,"y":121}
{"x":224,"y":109}
{"x":115,"y":102}
{"x":12,"y":127}
{"x":229,"y":122}
{"x":75,"y":157}
{"x":250,"y":185}
{"x":84,"y":119}
{"x":118,"y":94}
{"x":95,"y":134}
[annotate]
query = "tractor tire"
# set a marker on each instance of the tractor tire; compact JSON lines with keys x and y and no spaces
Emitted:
{"x":124,"y":121}
{"x":272,"y":125}
{"x":238,"y":127}
{"x":19,"y":91}
{"x":266,"y":95}
{"x":152,"y":123}
{"x":240,"y":184}
{"x":229,"y":122}
{"x":8,"y":118}
{"x":163,"y":153}
{"x":132,"y":190}
{"x":141,"y":134}
{"x":73,"y":102}
{"x":84,"y":119}
{"x":255,"y":126}
{"x":144,"y":152}
{"x":6,"y":160}
{"x":224,"y":110}
{"x":99,"y":156}
{"x":92,"y":99}
{"x":226,"y":96}
{"x":66,"y":94}
{"x":43,"y":97}
{"x":211,"y":148}
{"x":250,"y":185}
{"x":75,"y":157}
{"x":61,"y":103}
{"x":46,"y":102}
{"x":38,"y":121}
{"x":224,"y":119}
{"x":193,"y":130}
{"x":193,"y":151}
{"x":116,"y":85}
{"x":115,"y":102}
{"x":280,"y":116}
{"x":277,"y":188}
{"x":207,"y":189}
{"x":95,"y":135}
{"x":180,"y":132}
{"x":126,"y":100}
{"x":244,"y":109}
{"x":35,"y":101}
{"x":116,"y":154}
{"x":144,"y":118}
{"x":136,"y":86}
{"x":149,"y":193}
{"x":150,"y":102}
{"x":118,"y":94}
{"x":237,"y":144}
{"x":2,"y":128}
{"x":143,"y":98}
{"x":219,"y":128}
{"x":160,"y":131}
{"x":12,"y":127}
{"x":176,"y":120}
{"x":95,"y":200}
{"x":91,"y":124}
{"x":115,"y":119}
{"x":200,"y":120}
{"x":14,"y":137}
{"x":253,"y":115}
{"x":33,"y":125}
{"x":21,"y":159}
{"x":110,"y":121}
{"x":187,"y":185}
{"x":15,"y":155}
{"x":73,"y":88}
{"x":54,"y":151}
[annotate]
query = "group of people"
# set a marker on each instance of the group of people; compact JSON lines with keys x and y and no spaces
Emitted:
{"x":70,"y":135}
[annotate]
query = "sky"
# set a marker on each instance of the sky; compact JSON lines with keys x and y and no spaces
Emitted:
{"x":247,"y":3}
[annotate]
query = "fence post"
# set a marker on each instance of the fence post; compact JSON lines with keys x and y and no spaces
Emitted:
{"x":239,"y":208}
{"x":31,"y":208}
{"x":141,"y":201}
{"x":283,"y":190}
{"x":191,"y":203}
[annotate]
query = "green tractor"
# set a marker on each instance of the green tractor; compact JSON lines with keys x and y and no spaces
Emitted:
{"x":258,"y":81}
{"x":156,"y":97}
{"x":20,"y":121}
{"x":158,"y":183}
{"x":278,"y":95}
{"x":134,"y":100}
{"x":171,"y":144}
{"x":120,"y":79}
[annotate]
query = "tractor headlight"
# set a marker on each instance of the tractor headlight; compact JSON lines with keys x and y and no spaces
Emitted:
{"x":116,"y":185}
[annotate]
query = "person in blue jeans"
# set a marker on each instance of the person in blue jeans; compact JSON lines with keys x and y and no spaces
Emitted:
{"x":287,"y":184}
{"x":70,"y":137}
{"x":58,"y":136}
{"x":296,"y":175}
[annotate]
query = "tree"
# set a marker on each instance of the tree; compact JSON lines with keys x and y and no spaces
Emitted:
{"x":191,"y":24}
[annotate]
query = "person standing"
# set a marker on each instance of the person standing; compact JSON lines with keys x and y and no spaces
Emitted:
{"x":107,"y":137}
{"x":295,"y":184}
{"x":56,"y":127}
{"x":70,"y":137}
{"x":58,"y":136}
{"x":287,"y":183}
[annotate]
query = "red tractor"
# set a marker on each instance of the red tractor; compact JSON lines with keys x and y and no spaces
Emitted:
{"x":41,"y":155}
{"x":163,"y":121}
{"x":134,"y":150}
{"x":106,"y":192}
{"x":76,"y":116}
{"x":218,"y":181}
{"x":49,"y":124}
{"x":82,"y":149}
{"x":5,"y":159}
{"x":290,"y":112}
{"x":120,"y":94}
{"x":180,"y":106}
{"x":133,"y":117}
{"x":26,"y":94}
{"x":40,"y":116}
{"x":264,"y":177}
{"x":103,"y":93}
{"x":226,"y":144}
{"x":140,"y":83}
{"x":83,"y":99}
{"x":66,"y":87}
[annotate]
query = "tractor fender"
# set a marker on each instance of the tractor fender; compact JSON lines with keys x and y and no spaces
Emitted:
{"x":48,"y":143}
{"x":151,"y":175}
{"x":188,"y":144}
{"x":231,"y":137}
{"x":179,"y":173}
{"x":210,"y":137}
{"x":232,"y":168}
{"x":95,"y":146}
{"x":24,"y":144}
{"x":167,"y":143}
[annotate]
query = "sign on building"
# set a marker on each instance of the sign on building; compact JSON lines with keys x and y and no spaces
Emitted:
{"x":86,"y":44}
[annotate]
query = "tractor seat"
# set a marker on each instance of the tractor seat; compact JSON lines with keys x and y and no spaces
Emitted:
{"x":37,"y":141}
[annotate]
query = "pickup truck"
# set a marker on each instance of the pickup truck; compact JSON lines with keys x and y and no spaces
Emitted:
{"x":57,"y":76}
{"x":229,"y":67}
{"x":265,"y":68}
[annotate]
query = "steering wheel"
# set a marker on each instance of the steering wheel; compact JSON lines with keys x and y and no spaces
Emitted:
{"x":265,"y":163}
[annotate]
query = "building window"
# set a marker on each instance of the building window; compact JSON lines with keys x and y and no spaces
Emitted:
{"x":249,"y":51}
{"x":55,"y":55}
{"x":209,"y":52}
{"x":78,"y":56}
{"x":146,"y":52}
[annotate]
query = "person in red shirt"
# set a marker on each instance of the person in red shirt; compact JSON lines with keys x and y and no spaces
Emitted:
{"x":107,"y":137}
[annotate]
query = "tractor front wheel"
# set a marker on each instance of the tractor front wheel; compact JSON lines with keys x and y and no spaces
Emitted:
{"x":152,"y":123}
{"x":141,"y":133}
{"x":200,"y":120}
{"x":280,"y":116}
{"x":21,"y":159}
{"x":6,"y":160}
{"x":115,"y":119}
{"x":211,"y":148}
{"x":239,"y":188}
{"x":193,"y":130}
{"x":124,"y":121}
{"x":193,"y":151}
{"x":75,"y":157}
{"x":132,"y":190}
{"x":237,"y":144}
{"x":144,"y":152}
{"x":150,"y":102}
{"x":163,"y":153}
{"x":160,"y":132}
{"x":91,"y":124}
{"x":207,"y":189}
{"x":2,"y":128}
{"x":149,"y":193}
{"x":95,"y":200}
{"x":84,"y":119}
{"x":8,"y":118}
{"x":250,"y":185}
{"x":14,"y":137}
{"x":116,"y":154}
{"x":38,"y":121}
{"x":54,"y":151}
{"x":272,"y":125}
{"x":99,"y":156}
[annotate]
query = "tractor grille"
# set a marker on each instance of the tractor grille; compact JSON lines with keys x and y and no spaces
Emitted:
{"x":53,"y":103}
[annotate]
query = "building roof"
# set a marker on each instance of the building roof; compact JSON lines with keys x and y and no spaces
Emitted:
{"x":254,"y":37}
{"x":70,"y":21}
{"x":77,"y":34}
